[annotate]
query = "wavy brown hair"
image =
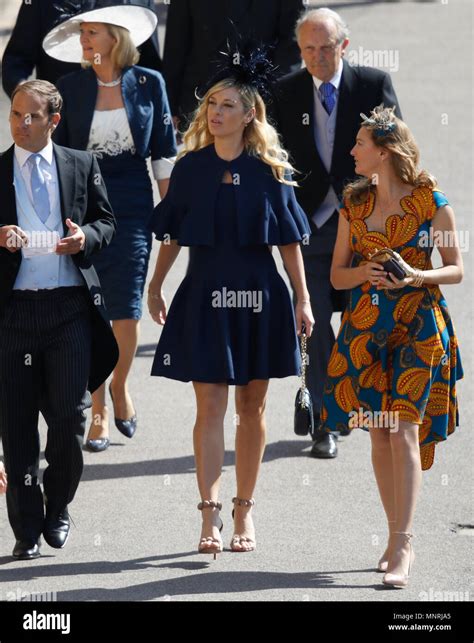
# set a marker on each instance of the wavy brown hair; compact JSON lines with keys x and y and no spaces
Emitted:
{"x":260,"y":138}
{"x":404,"y":154}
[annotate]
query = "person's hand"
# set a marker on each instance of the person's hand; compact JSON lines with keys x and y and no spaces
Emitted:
{"x":74,"y":242}
{"x":12,"y":238}
{"x":390,"y":282}
{"x":3,"y":479}
{"x":157,"y":306}
{"x":372,"y":271}
{"x":304,"y":315}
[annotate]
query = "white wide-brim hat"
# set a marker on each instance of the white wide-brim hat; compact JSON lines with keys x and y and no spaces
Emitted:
{"x":63,"y":43}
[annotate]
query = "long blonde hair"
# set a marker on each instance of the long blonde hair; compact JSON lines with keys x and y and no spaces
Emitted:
{"x":260,"y":138}
{"x":404,"y":156}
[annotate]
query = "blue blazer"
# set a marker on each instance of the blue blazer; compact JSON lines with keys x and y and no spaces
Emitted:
{"x":146,"y":104}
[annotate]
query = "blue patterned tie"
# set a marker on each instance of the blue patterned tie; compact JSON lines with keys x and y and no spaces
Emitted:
{"x":327,"y":92}
{"x":39,"y":190}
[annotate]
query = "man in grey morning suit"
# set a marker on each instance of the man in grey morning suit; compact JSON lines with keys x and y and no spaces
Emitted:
{"x":55,"y":340}
{"x":317,"y":112}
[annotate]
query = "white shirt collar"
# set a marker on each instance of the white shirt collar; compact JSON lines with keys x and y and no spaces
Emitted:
{"x":23,"y":155}
{"x":335,"y":80}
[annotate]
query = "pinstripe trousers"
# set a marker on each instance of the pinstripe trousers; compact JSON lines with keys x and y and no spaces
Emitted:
{"x":45,"y":344}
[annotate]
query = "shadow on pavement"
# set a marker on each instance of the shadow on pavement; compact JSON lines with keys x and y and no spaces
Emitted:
{"x":185,"y":464}
{"x":216,"y":582}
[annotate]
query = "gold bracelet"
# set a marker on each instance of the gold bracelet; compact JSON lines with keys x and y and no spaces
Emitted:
{"x":418,"y":279}
{"x":153,"y":295}
{"x":304,"y":301}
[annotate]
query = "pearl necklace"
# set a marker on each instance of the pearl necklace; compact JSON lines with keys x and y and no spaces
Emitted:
{"x":113,"y":83}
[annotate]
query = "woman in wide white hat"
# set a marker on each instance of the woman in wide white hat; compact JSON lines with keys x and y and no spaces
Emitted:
{"x":120,"y":112}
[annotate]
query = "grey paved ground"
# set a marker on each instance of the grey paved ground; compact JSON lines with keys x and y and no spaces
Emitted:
{"x":319,"y":524}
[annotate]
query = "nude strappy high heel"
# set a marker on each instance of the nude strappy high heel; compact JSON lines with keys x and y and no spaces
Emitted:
{"x":209,"y":544}
{"x":237,"y":539}
{"x":401,"y":580}
{"x":383,"y":562}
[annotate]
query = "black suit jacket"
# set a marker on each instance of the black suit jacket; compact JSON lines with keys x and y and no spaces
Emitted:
{"x":24,"y":51}
{"x":84,"y":201}
{"x":361,"y":89}
{"x":196,"y":31}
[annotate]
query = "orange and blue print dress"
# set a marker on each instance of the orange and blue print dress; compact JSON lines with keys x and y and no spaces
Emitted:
{"x":396,"y":356}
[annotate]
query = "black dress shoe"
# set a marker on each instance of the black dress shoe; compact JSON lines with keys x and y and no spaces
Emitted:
{"x":126,"y":427}
{"x":26,"y":549}
{"x":324,"y":446}
{"x":56,"y":528}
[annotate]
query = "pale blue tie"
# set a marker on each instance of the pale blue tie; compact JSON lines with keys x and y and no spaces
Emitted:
{"x":39,"y":190}
{"x":328,"y":93}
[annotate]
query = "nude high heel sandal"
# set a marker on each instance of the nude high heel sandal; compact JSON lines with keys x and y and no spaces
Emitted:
{"x":237,"y":539}
{"x":209,"y":544}
{"x":401,"y":580}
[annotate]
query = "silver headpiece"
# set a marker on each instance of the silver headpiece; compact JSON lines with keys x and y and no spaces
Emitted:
{"x":380,"y":121}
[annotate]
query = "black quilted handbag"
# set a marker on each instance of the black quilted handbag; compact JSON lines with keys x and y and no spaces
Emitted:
{"x":304,"y":416}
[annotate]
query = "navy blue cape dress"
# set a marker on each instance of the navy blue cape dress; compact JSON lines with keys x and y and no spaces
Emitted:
{"x":231,"y":319}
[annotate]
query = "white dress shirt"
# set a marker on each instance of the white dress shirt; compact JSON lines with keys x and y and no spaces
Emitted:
{"x":48,"y":167}
{"x":335,"y":80}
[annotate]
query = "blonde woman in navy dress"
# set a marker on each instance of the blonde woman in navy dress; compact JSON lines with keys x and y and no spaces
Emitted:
{"x":231,"y":321}
{"x":120,"y":112}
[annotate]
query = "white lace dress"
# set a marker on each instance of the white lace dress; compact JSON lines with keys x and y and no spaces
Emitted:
{"x":110,"y":135}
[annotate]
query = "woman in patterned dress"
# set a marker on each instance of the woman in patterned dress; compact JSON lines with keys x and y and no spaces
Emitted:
{"x":394,"y":366}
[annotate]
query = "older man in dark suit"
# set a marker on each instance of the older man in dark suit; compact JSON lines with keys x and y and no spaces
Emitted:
{"x":317,"y":112}
{"x":196,"y":33}
{"x":24,"y":52}
{"x":55,"y":340}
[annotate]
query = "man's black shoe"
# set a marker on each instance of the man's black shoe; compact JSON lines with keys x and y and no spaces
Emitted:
{"x":56,"y":528}
{"x":324,"y":446}
{"x":26,"y":549}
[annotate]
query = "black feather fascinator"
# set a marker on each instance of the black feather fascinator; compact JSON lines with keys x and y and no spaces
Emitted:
{"x":246,"y":65}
